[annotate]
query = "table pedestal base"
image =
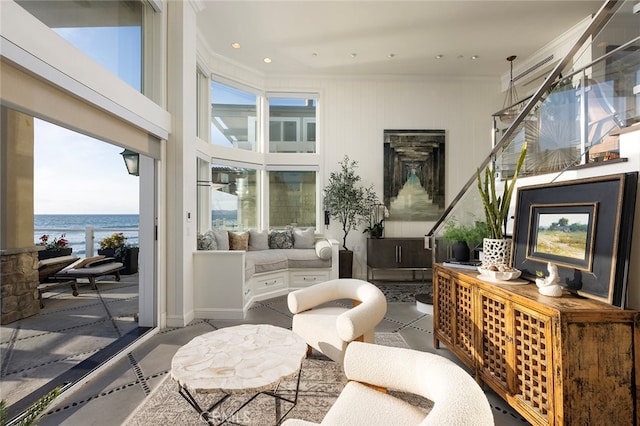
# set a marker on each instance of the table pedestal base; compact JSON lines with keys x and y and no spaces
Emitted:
{"x":206,"y":415}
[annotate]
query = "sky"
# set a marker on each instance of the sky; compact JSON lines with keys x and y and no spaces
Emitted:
{"x":76,"y":174}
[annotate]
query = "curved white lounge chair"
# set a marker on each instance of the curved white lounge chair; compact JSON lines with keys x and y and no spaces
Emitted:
{"x":372,"y":369}
{"x":329,"y":329}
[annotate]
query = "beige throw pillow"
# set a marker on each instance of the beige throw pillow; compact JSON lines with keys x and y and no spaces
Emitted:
{"x":239,"y":240}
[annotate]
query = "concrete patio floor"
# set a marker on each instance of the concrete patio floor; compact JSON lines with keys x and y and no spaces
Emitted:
{"x":67,"y":331}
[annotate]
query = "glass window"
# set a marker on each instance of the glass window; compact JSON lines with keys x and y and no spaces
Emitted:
{"x":234,"y":197}
{"x":292,"y":198}
{"x":110,"y":32}
{"x":292,"y":124}
{"x":233,"y":117}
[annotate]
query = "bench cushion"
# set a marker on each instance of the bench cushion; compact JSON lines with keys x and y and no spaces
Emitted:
{"x":267,"y":260}
{"x":301,"y":258}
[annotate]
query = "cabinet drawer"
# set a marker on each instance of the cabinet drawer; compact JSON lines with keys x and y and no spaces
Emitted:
{"x":305,"y":279}
{"x":267,"y":284}
{"x":246,"y":293}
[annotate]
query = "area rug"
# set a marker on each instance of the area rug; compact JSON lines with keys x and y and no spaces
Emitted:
{"x":320,"y":384}
{"x":404,"y":292}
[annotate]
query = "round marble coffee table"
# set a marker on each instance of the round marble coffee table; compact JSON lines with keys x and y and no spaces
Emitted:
{"x":240,"y":359}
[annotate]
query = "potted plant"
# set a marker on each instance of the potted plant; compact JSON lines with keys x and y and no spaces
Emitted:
{"x":116,"y":246}
{"x":464,"y":237}
{"x":53,"y":248}
{"x":349,"y":203}
{"x":496,"y":248}
{"x":377,"y":214}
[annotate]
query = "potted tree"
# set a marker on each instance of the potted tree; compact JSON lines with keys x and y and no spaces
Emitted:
{"x":116,"y":246}
{"x":349,"y":203}
{"x":496,"y":248}
{"x":463,"y":237}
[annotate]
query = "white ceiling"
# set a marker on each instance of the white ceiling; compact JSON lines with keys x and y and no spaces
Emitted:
{"x":307,"y":37}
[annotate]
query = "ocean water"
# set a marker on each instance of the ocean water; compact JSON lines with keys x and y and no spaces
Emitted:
{"x":73,"y":227}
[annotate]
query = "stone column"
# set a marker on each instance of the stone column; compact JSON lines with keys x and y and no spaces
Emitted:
{"x":18,"y":255}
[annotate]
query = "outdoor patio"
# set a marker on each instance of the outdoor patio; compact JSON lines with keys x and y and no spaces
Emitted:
{"x":67,"y":331}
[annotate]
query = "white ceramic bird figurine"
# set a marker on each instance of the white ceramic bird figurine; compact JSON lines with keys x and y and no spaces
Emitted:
{"x":549,"y":286}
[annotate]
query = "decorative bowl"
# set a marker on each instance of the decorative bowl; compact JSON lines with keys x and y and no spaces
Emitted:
{"x":506,"y":274}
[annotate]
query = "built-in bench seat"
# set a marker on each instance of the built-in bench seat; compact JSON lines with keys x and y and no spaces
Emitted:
{"x":228,"y":281}
{"x":258,"y":262}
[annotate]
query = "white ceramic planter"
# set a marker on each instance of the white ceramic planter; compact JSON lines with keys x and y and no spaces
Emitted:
{"x":496,"y":251}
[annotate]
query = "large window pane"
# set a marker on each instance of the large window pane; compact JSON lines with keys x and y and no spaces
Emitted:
{"x":292,"y":198}
{"x":233,"y":117}
{"x":292,"y":125}
{"x":234,"y":198}
{"x":110,"y":32}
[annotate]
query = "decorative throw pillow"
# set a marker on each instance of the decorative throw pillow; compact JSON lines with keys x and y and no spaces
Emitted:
{"x":87,"y":260}
{"x":222,"y":239}
{"x":239,"y":240}
{"x":323,"y":249}
{"x":303,"y":238}
{"x":258,"y":240}
{"x":281,"y":239}
{"x":207,"y":241}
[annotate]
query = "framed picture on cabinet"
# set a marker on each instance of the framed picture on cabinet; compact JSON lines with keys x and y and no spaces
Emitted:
{"x":562,"y":234}
{"x":584,"y":227}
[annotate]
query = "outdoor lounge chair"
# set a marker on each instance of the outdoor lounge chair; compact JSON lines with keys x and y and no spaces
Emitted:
{"x":47,"y":268}
{"x":65,"y":270}
{"x":91,"y":269}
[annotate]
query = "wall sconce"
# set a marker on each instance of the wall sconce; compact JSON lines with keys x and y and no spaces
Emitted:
{"x":131,"y":161}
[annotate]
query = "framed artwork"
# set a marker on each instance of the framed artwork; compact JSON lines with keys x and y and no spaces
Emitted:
{"x":584,"y":227}
{"x":414,"y":174}
{"x":562,"y":234}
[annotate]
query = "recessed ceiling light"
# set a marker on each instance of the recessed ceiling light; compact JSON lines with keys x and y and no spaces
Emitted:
{"x":474,"y":57}
{"x":353,"y":55}
{"x":235,"y":45}
{"x":439,"y":56}
{"x":267,"y":60}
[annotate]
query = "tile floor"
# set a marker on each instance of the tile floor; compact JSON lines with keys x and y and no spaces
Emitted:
{"x":114,"y":393}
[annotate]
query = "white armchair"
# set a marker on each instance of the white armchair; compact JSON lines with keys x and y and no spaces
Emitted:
{"x":329,"y":329}
{"x":371,"y":369}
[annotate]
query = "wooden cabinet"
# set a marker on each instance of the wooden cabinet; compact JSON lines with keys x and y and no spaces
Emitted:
{"x":397,"y":253}
{"x":557,"y":361}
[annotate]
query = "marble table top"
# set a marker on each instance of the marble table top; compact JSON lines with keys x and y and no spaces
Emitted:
{"x":238,"y":359}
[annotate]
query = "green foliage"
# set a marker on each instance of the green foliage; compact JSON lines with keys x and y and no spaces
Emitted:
{"x":496,"y":208}
{"x":31,"y":415}
{"x":3,"y":413}
{"x":472,"y":235}
{"x":113,"y":241}
{"x":346,"y":200}
{"x":56,"y":244}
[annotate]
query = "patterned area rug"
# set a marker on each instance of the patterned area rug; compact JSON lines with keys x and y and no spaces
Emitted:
{"x":320,"y":384}
{"x":404,"y":292}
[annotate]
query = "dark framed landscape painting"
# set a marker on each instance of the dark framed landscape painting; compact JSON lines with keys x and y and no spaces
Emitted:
{"x":582,"y":226}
